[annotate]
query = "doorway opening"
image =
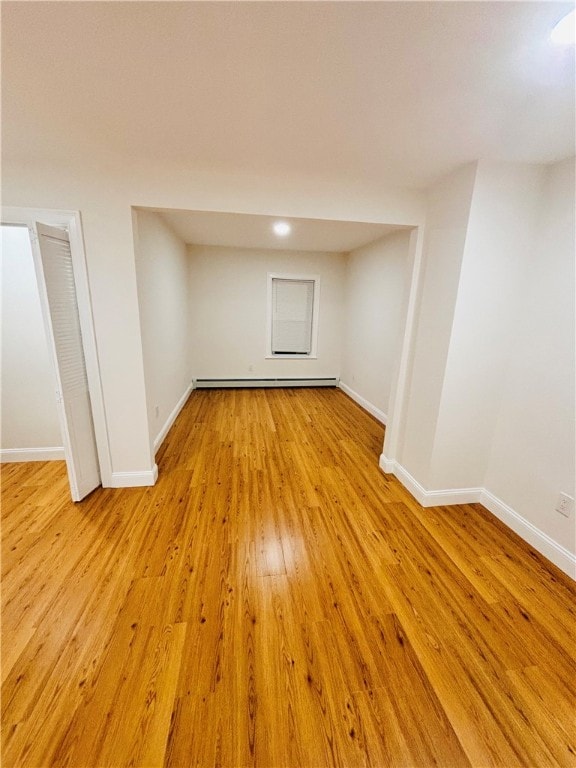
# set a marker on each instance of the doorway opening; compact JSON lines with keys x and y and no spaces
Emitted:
{"x":63,"y":295}
{"x":199,"y":270}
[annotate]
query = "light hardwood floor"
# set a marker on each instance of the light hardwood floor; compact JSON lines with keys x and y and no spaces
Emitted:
{"x":275,"y":601}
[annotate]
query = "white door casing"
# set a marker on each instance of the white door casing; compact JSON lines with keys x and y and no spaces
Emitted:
{"x":57,"y":289}
{"x":71,"y":222}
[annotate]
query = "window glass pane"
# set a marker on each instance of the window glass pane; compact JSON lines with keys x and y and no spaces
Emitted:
{"x":292,"y":305}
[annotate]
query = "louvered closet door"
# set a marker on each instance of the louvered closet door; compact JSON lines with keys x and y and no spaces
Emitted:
{"x":73,"y":395}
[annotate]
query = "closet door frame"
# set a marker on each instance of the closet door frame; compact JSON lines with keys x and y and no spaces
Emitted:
{"x":71,"y":221}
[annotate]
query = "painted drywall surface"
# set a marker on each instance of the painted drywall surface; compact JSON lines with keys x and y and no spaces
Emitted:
{"x":162,"y":271}
{"x":445,"y":235}
{"x":533,"y":458}
{"x":374,"y":310}
{"x":501,"y":231}
{"x":92,"y":188}
{"x":29,"y":414}
{"x":105,"y":187}
{"x":109,"y":237}
{"x":228,"y":295}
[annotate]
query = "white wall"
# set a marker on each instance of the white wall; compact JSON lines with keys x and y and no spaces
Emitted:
{"x":491,"y":415}
{"x":501,"y":229}
{"x":105,"y":187}
{"x":376,"y":287}
{"x":228,"y":294}
{"x":533,"y":451}
{"x":162,"y":271}
{"x":445,"y":235}
{"x":29,"y":415}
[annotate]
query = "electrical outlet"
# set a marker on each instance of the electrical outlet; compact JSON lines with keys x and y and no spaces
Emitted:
{"x":157,"y":411}
{"x":565,"y":505}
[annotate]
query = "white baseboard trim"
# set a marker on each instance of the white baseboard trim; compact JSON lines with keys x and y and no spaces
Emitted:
{"x":134,"y":479}
{"x":387,"y":465}
{"x":172,"y":418}
{"x":424,"y":497}
{"x":366,"y":404}
{"x":12,"y":455}
{"x":563,"y":558}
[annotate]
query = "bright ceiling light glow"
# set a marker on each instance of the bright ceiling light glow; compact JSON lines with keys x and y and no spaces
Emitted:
{"x":281,"y":228}
{"x":563,"y":32}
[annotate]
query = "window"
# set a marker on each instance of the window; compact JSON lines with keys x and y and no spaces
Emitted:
{"x":293,"y":302}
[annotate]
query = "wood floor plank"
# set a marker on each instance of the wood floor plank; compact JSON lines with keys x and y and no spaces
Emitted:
{"x":541,"y":705}
{"x":466,"y":546}
{"x":275,"y":600}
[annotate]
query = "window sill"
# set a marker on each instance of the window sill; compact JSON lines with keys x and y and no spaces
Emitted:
{"x":291,"y":357}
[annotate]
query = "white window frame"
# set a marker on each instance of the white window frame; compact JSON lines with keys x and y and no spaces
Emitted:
{"x":315,"y":315}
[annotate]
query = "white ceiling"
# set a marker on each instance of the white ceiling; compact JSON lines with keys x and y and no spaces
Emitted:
{"x":394,"y":93}
{"x":249,"y":231}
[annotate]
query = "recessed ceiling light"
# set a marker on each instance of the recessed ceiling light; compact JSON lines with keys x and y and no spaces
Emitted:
{"x":281,"y":228}
{"x":563,"y":32}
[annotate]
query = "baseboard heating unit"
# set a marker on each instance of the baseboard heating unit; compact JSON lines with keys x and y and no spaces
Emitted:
{"x":240,"y":383}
